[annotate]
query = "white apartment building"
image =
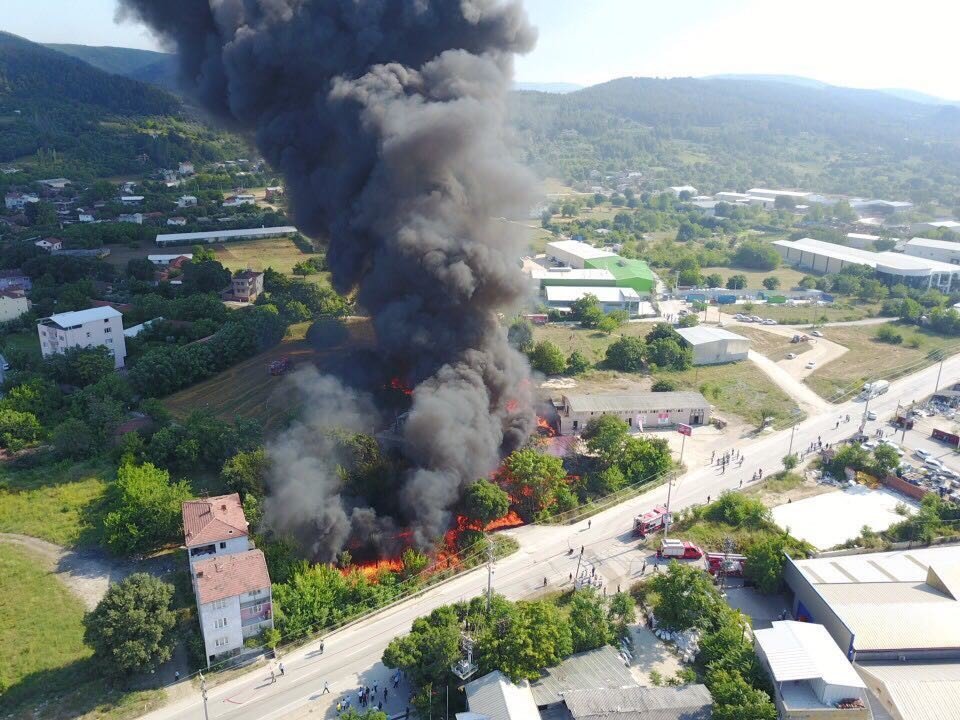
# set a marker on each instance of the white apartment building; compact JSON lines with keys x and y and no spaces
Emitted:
{"x":94,"y":327}
{"x":237,"y":200}
{"x":230,"y":579}
{"x":18,"y":200}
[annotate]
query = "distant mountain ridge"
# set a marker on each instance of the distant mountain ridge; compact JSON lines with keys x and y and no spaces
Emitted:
{"x":548,"y":87}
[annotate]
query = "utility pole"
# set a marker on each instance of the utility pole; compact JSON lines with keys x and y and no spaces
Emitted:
{"x":939,"y":370}
{"x":203,"y":693}
{"x":489,"y":573}
{"x":793,"y":431}
{"x":666,"y":520}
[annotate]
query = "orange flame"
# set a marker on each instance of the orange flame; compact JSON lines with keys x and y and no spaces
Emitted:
{"x":398,"y":384}
{"x":544,"y":428}
{"x":372,"y":569}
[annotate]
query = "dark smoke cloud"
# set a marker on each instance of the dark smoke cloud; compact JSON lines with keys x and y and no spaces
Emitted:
{"x":386,"y":119}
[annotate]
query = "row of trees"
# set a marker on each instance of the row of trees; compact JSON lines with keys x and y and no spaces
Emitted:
{"x":663,"y":348}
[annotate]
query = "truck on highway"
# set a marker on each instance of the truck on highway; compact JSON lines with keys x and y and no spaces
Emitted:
{"x":873,"y":389}
{"x":651,"y":522}
{"x":679,"y":550}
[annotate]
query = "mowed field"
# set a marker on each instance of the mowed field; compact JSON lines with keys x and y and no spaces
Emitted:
{"x":248,"y":390}
{"x":277,"y":253}
{"x":788,"y":276}
{"x":869,"y":359}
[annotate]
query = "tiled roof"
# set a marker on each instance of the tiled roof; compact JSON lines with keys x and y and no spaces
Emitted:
{"x":210,"y":520}
{"x":230,"y":575}
{"x":248,"y":274}
{"x":690,"y":702}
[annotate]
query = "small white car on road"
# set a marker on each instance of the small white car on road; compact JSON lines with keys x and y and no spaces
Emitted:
{"x":791,"y":356}
{"x":817,"y":333}
{"x":811,"y":365}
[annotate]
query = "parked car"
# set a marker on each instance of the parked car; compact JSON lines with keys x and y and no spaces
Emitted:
{"x":817,"y":333}
{"x":756,"y":318}
{"x":869,"y":445}
{"x":769,"y":321}
{"x":791,"y":356}
{"x":746,"y":318}
{"x":871,"y":415}
{"x":921,"y":453}
{"x":811,"y":365}
{"x":933,"y":464}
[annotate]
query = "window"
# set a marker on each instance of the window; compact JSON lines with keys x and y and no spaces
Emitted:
{"x":106,"y":330}
{"x":223,"y":545}
{"x":219,"y":604}
{"x":220,"y":623}
{"x":109,"y":341}
{"x":88,"y":334}
{"x":258,"y":608}
{"x":221,"y":642}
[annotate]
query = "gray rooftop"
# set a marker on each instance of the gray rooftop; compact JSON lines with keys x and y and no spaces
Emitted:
{"x":597,"y":669}
{"x":646,"y":402}
{"x":690,"y":702}
{"x":702,"y":334}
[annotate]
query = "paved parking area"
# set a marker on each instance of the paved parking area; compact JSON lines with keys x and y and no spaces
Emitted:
{"x":761,"y":609}
{"x":828,"y":520}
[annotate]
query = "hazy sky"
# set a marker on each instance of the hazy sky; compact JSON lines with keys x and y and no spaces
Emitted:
{"x":859,"y":43}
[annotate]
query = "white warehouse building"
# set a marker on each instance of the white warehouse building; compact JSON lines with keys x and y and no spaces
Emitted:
{"x":575,"y":253}
{"x":890,"y":266}
{"x":643,"y":411}
{"x":939,"y":250}
{"x":99,"y":326}
{"x":713,"y":346}
{"x":562,"y":297}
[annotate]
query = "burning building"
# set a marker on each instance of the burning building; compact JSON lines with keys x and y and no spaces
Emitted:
{"x":386,"y":120}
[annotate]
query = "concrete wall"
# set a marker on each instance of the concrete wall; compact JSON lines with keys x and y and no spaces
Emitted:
{"x":12,"y":308}
{"x":809,"y":605}
{"x":942,"y":255}
{"x":231,"y":635}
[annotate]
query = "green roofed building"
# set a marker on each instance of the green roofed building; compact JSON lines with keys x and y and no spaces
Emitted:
{"x":634,"y":274}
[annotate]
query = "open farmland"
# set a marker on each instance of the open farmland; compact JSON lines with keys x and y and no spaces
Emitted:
{"x":809,"y":314}
{"x":277,"y":253}
{"x":869,"y":359}
{"x":788,"y":276}
{"x":248,"y":390}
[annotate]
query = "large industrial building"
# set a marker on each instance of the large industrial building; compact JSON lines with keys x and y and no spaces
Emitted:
{"x":644,"y":411}
{"x":896,"y":615}
{"x":574,"y":253}
{"x":713,"y":346}
{"x":892,"y":267}
{"x":585,"y":277}
{"x":939,"y":250}
{"x":216,"y":236}
{"x":562,"y":297}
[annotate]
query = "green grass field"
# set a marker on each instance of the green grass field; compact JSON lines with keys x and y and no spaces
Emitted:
{"x":248,"y":390}
{"x":869,"y":359}
{"x":48,"y":672}
{"x":279,"y":253}
{"x":26,"y":341}
{"x":787,"y":275}
{"x":57,"y":503}
{"x":810,"y":314}
{"x":773,"y":345}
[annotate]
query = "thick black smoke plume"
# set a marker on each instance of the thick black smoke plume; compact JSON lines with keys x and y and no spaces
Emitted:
{"x":386,"y":119}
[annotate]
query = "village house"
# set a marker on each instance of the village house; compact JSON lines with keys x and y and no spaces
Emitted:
{"x":84,"y":216}
{"x":185,"y":168}
{"x":246,"y":286}
{"x":54,"y":183}
{"x":136,"y":218}
{"x":230,"y":579}
{"x":273,"y":193}
{"x":13,"y":304}
{"x":15,"y":279}
{"x":185,"y":201}
{"x":94,"y":327}
{"x":19,"y":200}
{"x":177,"y":221}
{"x":169,"y":260}
{"x":49,"y":244}
{"x":238,"y":200}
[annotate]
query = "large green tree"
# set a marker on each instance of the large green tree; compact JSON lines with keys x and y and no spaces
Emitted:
{"x":589,"y":625}
{"x":132,"y":628}
{"x":533,"y":479}
{"x":548,"y":358}
{"x":627,"y":354}
{"x":685,"y":596}
{"x":144,"y":509}
{"x":484,"y":502}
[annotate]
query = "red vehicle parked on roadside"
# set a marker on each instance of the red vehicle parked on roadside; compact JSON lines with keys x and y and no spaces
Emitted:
{"x":679,"y":550}
{"x":650,"y":522}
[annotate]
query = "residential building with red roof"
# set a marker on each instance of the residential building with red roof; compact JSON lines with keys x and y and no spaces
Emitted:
{"x":230,"y":578}
{"x":246,"y":286}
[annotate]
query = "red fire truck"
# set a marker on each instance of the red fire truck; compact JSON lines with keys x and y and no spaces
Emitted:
{"x":650,"y":522}
{"x":727,"y":563}
{"x":679,"y":550}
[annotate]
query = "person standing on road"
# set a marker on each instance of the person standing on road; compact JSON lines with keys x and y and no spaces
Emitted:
{"x":273,"y":676}
{"x":283,"y":670}
{"x":326,"y":688}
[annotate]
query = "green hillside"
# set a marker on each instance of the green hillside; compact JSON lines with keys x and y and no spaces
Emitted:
{"x":735,"y":134}
{"x":62,"y":116}
{"x":114,"y":60}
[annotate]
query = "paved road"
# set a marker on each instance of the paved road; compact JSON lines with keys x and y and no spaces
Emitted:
{"x":352,"y":655}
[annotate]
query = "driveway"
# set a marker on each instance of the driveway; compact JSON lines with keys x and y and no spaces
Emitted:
{"x":87,"y":574}
{"x":807,"y":399}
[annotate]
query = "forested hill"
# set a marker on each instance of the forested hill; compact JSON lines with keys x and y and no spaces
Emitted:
{"x":30,"y":73}
{"x":156,"y":68}
{"x":62,"y":116}
{"x":735,"y":134}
